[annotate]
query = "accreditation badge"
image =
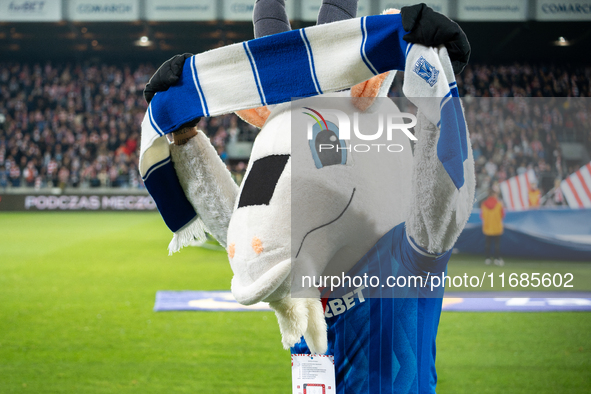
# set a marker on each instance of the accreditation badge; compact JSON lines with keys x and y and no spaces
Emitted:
{"x":312,"y":374}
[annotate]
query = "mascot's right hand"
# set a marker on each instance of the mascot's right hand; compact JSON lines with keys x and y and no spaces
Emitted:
{"x":167,"y":75}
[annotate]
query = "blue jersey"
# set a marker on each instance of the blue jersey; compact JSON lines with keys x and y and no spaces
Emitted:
{"x":383,"y":338}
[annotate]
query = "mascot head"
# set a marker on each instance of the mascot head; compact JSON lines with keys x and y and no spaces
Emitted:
{"x":318,"y":193}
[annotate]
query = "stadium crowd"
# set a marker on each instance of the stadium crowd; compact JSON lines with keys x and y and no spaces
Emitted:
{"x":511,"y":136}
{"x":79,"y":125}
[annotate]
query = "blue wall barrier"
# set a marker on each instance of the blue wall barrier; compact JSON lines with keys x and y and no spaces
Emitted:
{"x":560,"y":234}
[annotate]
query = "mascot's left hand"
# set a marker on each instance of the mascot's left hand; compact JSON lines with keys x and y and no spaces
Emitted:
{"x":432,"y":29}
{"x":427,"y":27}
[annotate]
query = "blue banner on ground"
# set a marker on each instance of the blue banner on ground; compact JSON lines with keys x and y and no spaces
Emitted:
{"x":557,"y":234}
{"x":515,"y":302}
{"x":452,"y":302}
{"x":202,"y":301}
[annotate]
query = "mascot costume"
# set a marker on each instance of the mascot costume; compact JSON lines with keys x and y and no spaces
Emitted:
{"x":307,"y":212}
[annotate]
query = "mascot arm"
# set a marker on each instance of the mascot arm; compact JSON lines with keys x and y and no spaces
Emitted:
{"x":439,"y":211}
{"x":207,"y":183}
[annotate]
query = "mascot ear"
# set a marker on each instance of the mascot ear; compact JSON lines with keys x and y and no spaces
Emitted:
{"x":255,"y":116}
{"x":365,"y":93}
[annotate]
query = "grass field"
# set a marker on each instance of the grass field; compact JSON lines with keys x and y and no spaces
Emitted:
{"x":76,"y":298}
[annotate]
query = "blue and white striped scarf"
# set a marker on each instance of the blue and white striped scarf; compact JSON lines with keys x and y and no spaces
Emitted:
{"x":275,"y":69}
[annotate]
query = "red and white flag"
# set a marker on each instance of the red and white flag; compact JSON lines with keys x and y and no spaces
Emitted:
{"x":515,"y":190}
{"x":577,"y":188}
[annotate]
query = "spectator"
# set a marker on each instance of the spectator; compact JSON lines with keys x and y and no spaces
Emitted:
{"x":79,"y":125}
{"x":492,"y":214}
{"x":534,"y":196}
{"x":14,"y":174}
{"x":30,"y":174}
{"x":3,"y":177}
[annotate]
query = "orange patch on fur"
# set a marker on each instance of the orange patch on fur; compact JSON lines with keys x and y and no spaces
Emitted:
{"x":391,"y":11}
{"x":257,"y":245}
{"x":365,"y":93}
{"x":231,"y":250}
{"x":255,"y":116}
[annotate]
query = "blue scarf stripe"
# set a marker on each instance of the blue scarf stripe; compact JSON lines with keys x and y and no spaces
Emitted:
{"x":461,"y":121}
{"x":285,"y":54}
{"x":255,"y":72}
{"x":444,"y":101}
{"x":383,"y":46}
{"x":362,"y":49}
{"x":153,"y":122}
{"x":155,"y":167}
{"x":311,"y":59}
{"x":166,"y":190}
{"x":198,"y":86}
{"x":449,"y":146}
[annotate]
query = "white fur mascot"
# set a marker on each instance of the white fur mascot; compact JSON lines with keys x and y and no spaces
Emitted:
{"x":312,"y":206}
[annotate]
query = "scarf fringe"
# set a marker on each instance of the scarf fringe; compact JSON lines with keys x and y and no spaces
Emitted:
{"x":195,"y":230}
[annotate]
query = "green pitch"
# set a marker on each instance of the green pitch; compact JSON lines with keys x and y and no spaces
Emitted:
{"x":76,"y":298}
